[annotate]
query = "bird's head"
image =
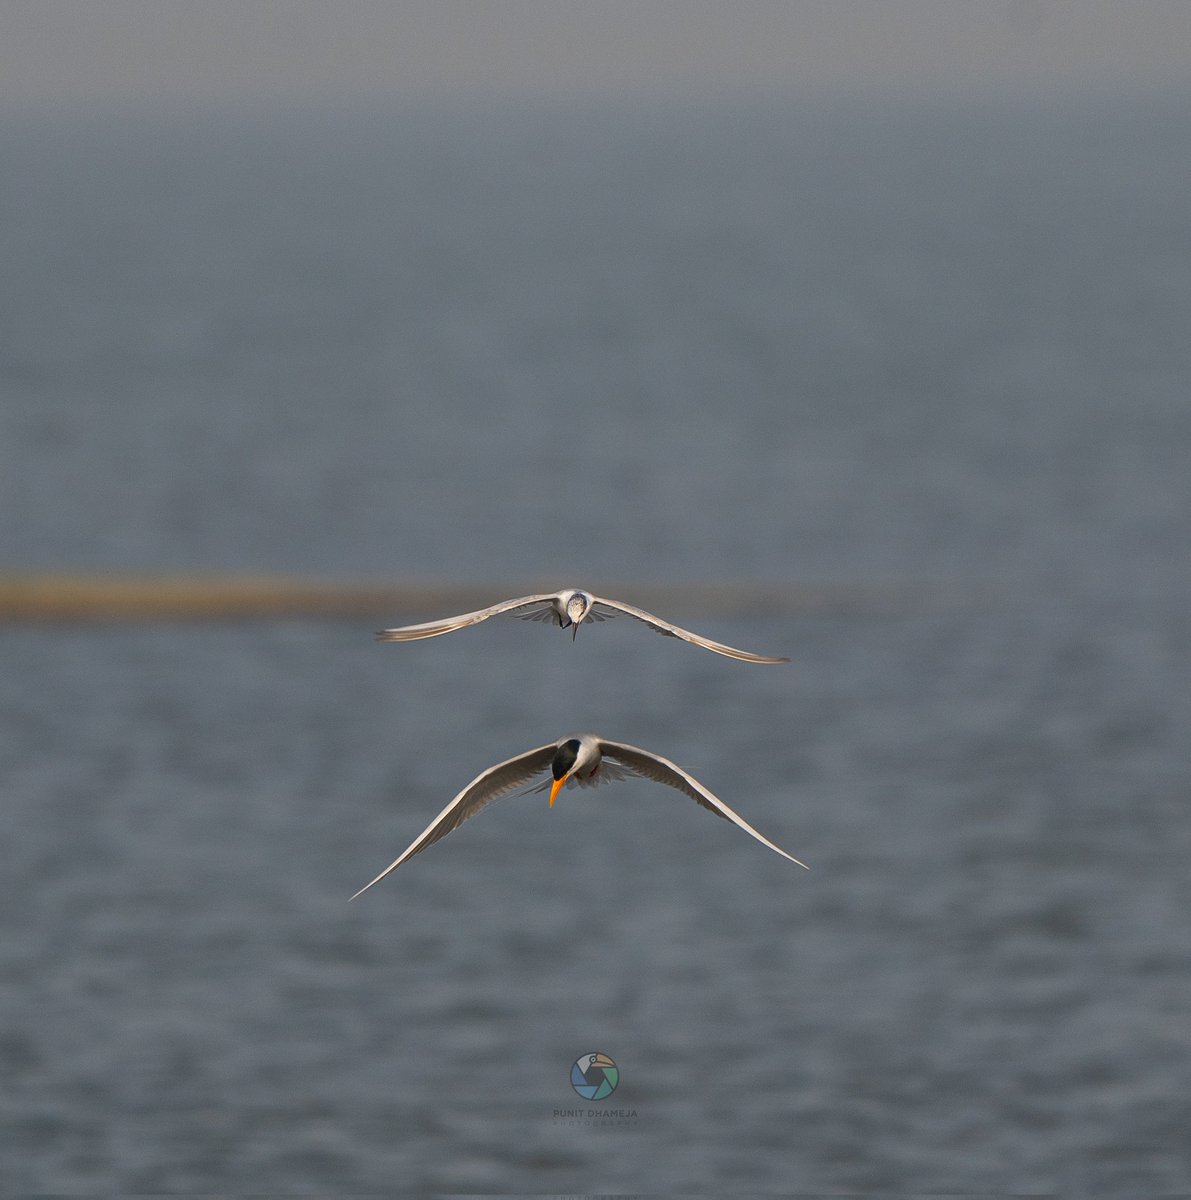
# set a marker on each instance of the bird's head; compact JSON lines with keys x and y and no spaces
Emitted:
{"x":561,"y":766}
{"x":577,"y":605}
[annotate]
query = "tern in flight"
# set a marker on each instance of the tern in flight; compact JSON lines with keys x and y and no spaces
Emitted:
{"x":570,"y":607}
{"x":583,"y":759}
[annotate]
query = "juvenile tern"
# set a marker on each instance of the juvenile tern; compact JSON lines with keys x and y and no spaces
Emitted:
{"x":568,"y":608}
{"x":582,"y":760}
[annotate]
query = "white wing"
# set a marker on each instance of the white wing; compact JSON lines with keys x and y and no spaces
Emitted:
{"x":497,"y":781}
{"x":662,"y":770}
{"x":669,"y":630}
{"x":429,"y":629}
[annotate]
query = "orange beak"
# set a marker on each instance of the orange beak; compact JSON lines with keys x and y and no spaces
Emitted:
{"x":555,"y":787}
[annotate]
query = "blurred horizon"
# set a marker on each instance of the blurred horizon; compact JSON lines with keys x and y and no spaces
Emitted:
{"x":220,"y":54}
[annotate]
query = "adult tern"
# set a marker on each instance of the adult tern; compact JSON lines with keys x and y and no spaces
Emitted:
{"x":568,"y":608}
{"x":583,"y":760}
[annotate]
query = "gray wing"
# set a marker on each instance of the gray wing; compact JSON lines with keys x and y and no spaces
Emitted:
{"x":669,"y":630}
{"x":497,"y":781}
{"x":540,"y":606}
{"x":662,"y":770}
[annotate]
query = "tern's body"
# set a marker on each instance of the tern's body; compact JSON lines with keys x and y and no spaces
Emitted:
{"x":584,"y":760}
{"x":570,"y":607}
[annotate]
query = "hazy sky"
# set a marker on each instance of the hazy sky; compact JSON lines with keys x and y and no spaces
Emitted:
{"x":241,"y":51}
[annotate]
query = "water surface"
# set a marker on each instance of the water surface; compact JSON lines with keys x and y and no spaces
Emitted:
{"x":942,"y":354}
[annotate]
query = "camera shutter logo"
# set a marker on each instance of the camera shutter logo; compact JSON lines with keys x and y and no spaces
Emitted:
{"x":594,"y":1076}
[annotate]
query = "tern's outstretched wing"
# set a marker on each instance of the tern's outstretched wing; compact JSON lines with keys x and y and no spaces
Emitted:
{"x":662,"y":770}
{"x":497,"y":781}
{"x":669,"y":630}
{"x":413,"y":633}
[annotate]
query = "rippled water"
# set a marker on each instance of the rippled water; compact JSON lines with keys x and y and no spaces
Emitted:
{"x":943,"y":355}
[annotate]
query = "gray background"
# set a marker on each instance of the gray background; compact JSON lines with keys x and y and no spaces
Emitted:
{"x":923,"y":349}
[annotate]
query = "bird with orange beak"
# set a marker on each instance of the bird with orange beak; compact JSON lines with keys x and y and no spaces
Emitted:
{"x":582,"y":760}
